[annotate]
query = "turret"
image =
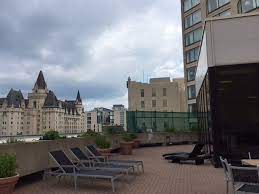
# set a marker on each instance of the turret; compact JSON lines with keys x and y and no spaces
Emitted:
{"x":128,"y":82}
{"x":78,"y":98}
{"x":40,"y":85}
{"x":78,"y":103}
{"x":39,"y":92}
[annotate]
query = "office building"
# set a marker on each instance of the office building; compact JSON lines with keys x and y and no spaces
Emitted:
{"x":160,"y":94}
{"x":194,"y":13}
{"x":99,"y":117}
{"x":120,"y":115}
{"x":227,"y":87}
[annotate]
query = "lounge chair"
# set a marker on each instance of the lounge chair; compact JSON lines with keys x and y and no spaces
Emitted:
{"x":85,"y":161}
{"x":67,"y":168}
{"x":199,"y":159}
{"x":242,"y":179}
{"x":197,"y":150}
{"x":98,"y":156}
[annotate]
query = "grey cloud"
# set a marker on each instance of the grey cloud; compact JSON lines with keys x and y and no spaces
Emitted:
{"x":91,"y":45}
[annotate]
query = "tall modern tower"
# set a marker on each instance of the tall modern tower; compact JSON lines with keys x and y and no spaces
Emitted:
{"x":194,"y":13}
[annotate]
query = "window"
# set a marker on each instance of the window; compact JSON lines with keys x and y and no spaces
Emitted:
{"x":188,"y":4}
{"x":225,"y":13}
{"x":192,"y":55}
{"x":191,"y":74}
{"x":245,"y":6}
{"x":192,"y":19}
{"x":34,"y":104}
{"x":165,"y":125}
{"x":215,"y":4}
{"x":192,"y":107}
{"x":142,"y":93}
{"x":142,"y":104}
{"x":191,"y":92}
{"x":153,"y":92}
{"x":193,"y":37}
{"x":164,"y":92}
{"x":153,"y":103}
{"x":164,"y":103}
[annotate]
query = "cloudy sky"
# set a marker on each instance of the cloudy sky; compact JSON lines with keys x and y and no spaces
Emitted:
{"x":90,"y":45}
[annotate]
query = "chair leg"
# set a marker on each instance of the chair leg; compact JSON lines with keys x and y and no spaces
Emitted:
{"x":112,"y":182}
{"x":75,"y":182}
{"x":142,"y":166}
{"x":227,"y":186}
{"x":44,"y":175}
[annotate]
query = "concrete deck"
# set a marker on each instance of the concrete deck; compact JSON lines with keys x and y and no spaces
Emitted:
{"x":159,"y":177}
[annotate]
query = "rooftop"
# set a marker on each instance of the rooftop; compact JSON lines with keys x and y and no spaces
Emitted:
{"x":159,"y":177}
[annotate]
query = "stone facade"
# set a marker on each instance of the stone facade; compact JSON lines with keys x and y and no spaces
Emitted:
{"x":161,"y":94}
{"x":41,"y":112}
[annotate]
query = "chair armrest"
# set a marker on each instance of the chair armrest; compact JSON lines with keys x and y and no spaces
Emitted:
{"x":105,"y":158}
{"x":70,"y":166}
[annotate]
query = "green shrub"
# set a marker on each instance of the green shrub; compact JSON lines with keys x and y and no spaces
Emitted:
{"x":127,"y":137}
{"x":195,"y":129}
{"x":133,"y":136}
{"x":111,"y":130}
{"x":101,"y":142}
{"x":89,"y":133}
{"x":52,"y":135}
{"x":7,"y":165}
{"x":14,"y":140}
{"x":170,"y":130}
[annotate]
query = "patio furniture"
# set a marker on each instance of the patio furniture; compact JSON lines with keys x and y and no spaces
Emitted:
{"x":242,"y":179}
{"x":199,"y":159}
{"x":98,"y":156}
{"x":196,"y":155}
{"x":197,"y":150}
{"x":67,"y":168}
{"x":85,"y":161}
{"x":250,"y":162}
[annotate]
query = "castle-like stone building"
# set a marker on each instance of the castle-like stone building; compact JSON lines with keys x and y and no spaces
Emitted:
{"x":41,"y":112}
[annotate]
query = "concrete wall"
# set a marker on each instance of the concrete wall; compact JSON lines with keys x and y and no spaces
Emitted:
{"x":233,"y":40}
{"x":33,"y":157}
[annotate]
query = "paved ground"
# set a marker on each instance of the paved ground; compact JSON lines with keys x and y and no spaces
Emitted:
{"x":159,"y":177}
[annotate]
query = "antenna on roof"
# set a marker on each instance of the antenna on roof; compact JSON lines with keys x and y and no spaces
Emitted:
{"x":143,"y":76}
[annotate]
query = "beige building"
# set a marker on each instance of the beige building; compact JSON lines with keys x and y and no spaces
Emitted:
{"x":120,"y":115}
{"x":41,"y":112}
{"x":161,"y":94}
{"x":99,"y":117}
{"x":194,"y":13}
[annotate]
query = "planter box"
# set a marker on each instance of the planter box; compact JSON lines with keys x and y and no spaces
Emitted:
{"x":126,"y":148}
{"x":136,"y":143}
{"x":7,"y":184}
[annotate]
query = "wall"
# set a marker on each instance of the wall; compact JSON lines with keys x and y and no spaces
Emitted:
{"x":33,"y":157}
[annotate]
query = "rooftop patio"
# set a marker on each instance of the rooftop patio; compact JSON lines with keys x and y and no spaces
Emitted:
{"x":159,"y":177}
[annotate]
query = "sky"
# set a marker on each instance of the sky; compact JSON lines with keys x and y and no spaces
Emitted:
{"x":90,"y":45}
